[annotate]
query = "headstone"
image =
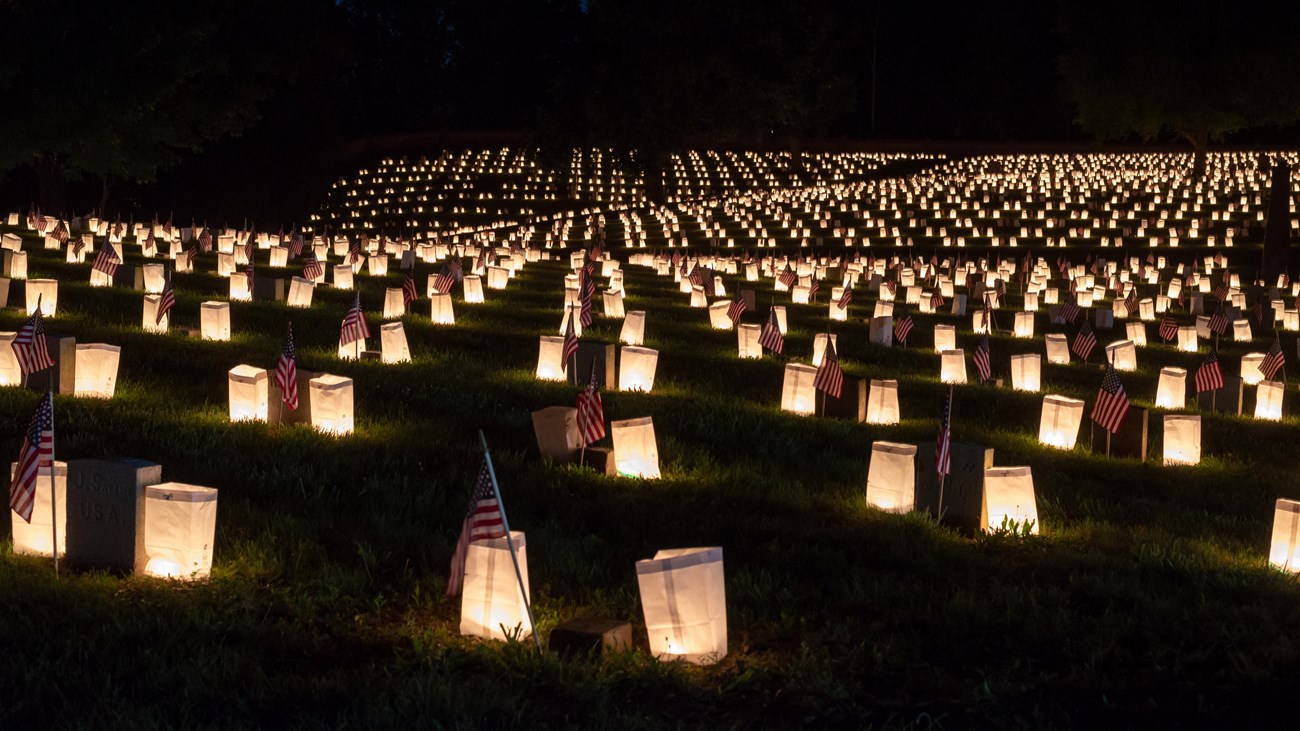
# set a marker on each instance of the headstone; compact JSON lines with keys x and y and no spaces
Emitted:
{"x":603,"y":357}
{"x":600,"y":459}
{"x":959,"y":307}
{"x":1103,"y":319}
{"x":268,"y":289}
{"x":596,"y":635}
{"x":852,"y":403}
{"x":7,"y":262}
{"x":1129,"y":441}
{"x":1226,"y":400}
{"x":4,"y":292}
{"x":279,"y":413}
{"x":963,"y":488}
{"x":129,"y":276}
{"x":106,"y":512}
{"x":556,"y":429}
{"x":882,"y":330}
{"x":376,"y":355}
{"x":748,"y":296}
{"x":62,"y":377}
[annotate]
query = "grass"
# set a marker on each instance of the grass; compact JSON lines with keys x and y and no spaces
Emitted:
{"x":1145,"y":602}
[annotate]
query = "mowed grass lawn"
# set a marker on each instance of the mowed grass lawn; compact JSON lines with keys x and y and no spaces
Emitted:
{"x":1145,"y":602}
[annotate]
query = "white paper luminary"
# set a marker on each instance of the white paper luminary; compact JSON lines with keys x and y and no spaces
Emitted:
{"x":1268,"y":400}
{"x":394,"y":304}
{"x":473,"y":289}
{"x":718,"y":317}
{"x":636,"y":453}
{"x":214,"y":321}
{"x":1284,"y":549}
{"x":1251,"y":375}
{"x":18,"y":265}
{"x":225,"y":264}
{"x":891,"y":477}
{"x":279,"y":257}
{"x":1171,"y":390}
{"x":1137,"y":333}
{"x":1009,"y":496}
{"x":378,"y":265}
{"x":952,"y":367}
{"x":1026,"y":372}
{"x":1123,"y":355}
{"x":392,"y":343}
{"x":440,"y":310}
{"x":331,"y":404}
{"x":37,"y":537}
{"x":1024,"y":325}
{"x":550,"y":351}
{"x":819,"y":347}
{"x":497,"y":277}
{"x":797,"y":392}
{"x":155,"y":278}
{"x":1031,"y":302}
{"x":780,"y":319}
{"x":882,"y":402}
{"x":1182,"y":439}
{"x":1058,"y":349}
{"x":747,"y":336}
{"x":180,"y":527}
{"x":300,"y":292}
{"x":343,"y":276}
{"x":239,"y":290}
{"x":492,"y":605}
{"x":249,"y":393}
{"x":1241,"y":331}
{"x":96,"y":370}
{"x":46,"y":291}
{"x":633,"y":331}
{"x":799,"y":295}
{"x":1058,"y":425}
{"x":636,"y":369}
{"x":11,"y":373}
{"x":1147,"y":309}
{"x":945,"y":337}
{"x":149,"y":317}
{"x":613,"y":302}
{"x":683,"y":595}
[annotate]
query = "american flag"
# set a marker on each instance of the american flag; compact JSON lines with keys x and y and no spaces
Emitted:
{"x":295,"y":244}
{"x":936,"y":299}
{"x":1112,"y":403}
{"x":482,"y":521}
{"x":788,"y":277}
{"x":981,"y":358}
{"x":902,"y":325}
{"x":29,"y":344}
{"x":591,"y":412}
{"x":248,"y":276}
{"x":1084,"y":342}
{"x":35,"y":457}
{"x":771,"y":337}
{"x":1131,"y":302}
{"x":943,"y":445}
{"x":987,"y":315}
{"x":892,"y":287}
{"x":286,"y":373}
{"x":205,"y":241}
{"x":830,"y":377}
{"x":1274,"y":360}
{"x":1210,"y":375}
{"x":570,"y":343}
{"x":409,"y":292}
{"x":1001,"y":288}
{"x":813,"y":289}
{"x":1070,"y":310}
{"x":442,"y":283}
{"x":845,"y":299}
{"x":166,"y":303}
{"x":106,"y":260}
{"x":736,"y":309}
{"x":456,"y":268}
{"x":248,"y":249}
{"x":354,"y":324}
{"x":191,"y":255}
{"x":79,"y":246}
{"x":1219,"y":321}
{"x":1168,"y":328}
{"x":1221,"y":292}
{"x":61,"y":232}
{"x":586,"y":290}
{"x":354,"y":251}
{"x":312,"y":268}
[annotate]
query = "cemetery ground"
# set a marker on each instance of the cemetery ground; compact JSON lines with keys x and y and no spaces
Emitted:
{"x":1146,"y":601}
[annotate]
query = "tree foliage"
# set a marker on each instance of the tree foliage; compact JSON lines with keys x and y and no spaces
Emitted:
{"x":124,"y":88}
{"x":1194,"y":69}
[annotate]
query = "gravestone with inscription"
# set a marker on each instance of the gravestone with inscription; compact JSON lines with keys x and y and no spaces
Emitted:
{"x":106,"y":512}
{"x":603,"y":357}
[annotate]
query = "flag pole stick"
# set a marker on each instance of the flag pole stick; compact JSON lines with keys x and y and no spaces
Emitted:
{"x":510,"y":543}
{"x":54,"y":497}
{"x":944,"y":474}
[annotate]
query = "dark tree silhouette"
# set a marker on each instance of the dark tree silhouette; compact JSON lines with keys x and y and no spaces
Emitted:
{"x":1193,"y":69}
